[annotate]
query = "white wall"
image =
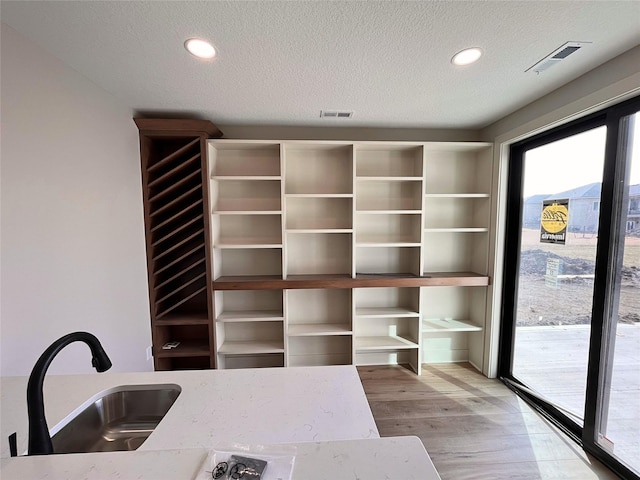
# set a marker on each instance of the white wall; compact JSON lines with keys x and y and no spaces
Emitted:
{"x":72,"y":245}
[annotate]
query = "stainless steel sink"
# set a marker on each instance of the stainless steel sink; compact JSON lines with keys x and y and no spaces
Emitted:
{"x":120,"y":418}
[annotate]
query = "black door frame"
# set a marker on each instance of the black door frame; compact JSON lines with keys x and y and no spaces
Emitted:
{"x":604,"y":296}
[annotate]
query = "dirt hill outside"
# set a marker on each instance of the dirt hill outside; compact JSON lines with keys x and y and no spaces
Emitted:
{"x":567,"y":300}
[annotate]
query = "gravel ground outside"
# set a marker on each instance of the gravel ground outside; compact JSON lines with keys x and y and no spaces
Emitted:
{"x":569,"y":302}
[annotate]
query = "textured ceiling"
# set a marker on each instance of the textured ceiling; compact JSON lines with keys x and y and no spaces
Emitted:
{"x":282,"y":62}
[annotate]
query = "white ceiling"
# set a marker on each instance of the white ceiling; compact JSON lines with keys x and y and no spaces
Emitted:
{"x":280,"y":63}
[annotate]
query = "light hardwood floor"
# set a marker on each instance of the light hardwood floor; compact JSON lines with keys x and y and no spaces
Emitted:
{"x":473,"y":427}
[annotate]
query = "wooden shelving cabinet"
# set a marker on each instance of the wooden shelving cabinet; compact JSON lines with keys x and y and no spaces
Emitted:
{"x":177,"y":226}
{"x":349,"y":252}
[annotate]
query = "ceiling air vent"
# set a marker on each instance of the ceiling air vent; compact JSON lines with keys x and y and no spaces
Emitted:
{"x":335,"y":114}
{"x":556,"y":56}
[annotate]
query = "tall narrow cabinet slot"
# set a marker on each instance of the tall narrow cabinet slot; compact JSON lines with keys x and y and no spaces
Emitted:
{"x":173,"y":161}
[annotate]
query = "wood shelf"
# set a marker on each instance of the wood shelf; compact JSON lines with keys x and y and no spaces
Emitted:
{"x":174,"y":186}
{"x":197,"y":318}
{"x":318,"y":195}
{"x":199,"y":261}
{"x":247,"y":212}
{"x":381,"y":242}
{"x":253,"y":207}
{"x":272,"y":282}
{"x":182,"y":286}
{"x":456,"y":195}
{"x":174,"y":155}
{"x":319,"y":230}
{"x":249,"y":243}
{"x":176,"y":200}
{"x":439,"y":325}
{"x":185,"y":299}
{"x":388,"y":179}
{"x":386,"y":312}
{"x":392,"y":342}
{"x":188,"y":348}
{"x":166,"y":251}
{"x":251,"y":316}
{"x":250,"y":348}
{"x":178,"y":215}
{"x":178,"y":229}
{"x":179,"y":257}
{"x":247,"y":178}
{"x":319,"y":329}
{"x":388,"y":212}
{"x":457,"y":230}
{"x":174,"y":171}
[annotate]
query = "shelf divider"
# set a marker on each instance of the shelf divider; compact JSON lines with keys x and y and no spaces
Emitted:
{"x":251,"y":316}
{"x":250,"y":178}
{"x":385,"y":312}
{"x":457,"y":230}
{"x":181,"y":257}
{"x":173,"y":155}
{"x":173,"y":247}
{"x":177,"y":304}
{"x":181,"y":227}
{"x":197,"y":318}
{"x":199,"y":261}
{"x":251,"y":348}
{"x":174,"y":186}
{"x":456,"y":195}
{"x":176,"y":200}
{"x":388,"y":179}
{"x":177,"y":215}
{"x":319,"y":329}
{"x":392,"y":342}
{"x":173,"y":171}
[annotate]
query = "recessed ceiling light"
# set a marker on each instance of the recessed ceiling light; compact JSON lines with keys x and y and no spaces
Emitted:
{"x":200,"y":48}
{"x":467,"y":56}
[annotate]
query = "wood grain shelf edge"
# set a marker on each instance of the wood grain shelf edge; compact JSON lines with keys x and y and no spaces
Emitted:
{"x":275,"y":282}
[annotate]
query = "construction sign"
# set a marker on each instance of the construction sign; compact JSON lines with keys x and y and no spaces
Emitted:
{"x":553,"y":221}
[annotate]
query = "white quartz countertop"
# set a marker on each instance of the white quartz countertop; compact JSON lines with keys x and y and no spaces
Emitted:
{"x":321,"y":411}
{"x":394,"y":458}
{"x":266,"y":406}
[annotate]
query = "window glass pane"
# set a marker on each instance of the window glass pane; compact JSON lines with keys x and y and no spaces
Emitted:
{"x":620,"y":400}
{"x":561,"y":207}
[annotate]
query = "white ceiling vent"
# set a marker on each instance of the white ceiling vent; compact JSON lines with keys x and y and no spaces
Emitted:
{"x":556,"y":56}
{"x":336,"y":114}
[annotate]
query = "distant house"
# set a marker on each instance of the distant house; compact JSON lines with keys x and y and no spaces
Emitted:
{"x":584,"y":208}
{"x":531,"y":211}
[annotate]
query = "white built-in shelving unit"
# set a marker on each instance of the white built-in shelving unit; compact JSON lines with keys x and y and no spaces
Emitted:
{"x":349,"y":252}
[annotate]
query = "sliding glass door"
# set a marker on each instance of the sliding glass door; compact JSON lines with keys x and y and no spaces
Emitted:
{"x":570,"y":338}
{"x":558,"y":238}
